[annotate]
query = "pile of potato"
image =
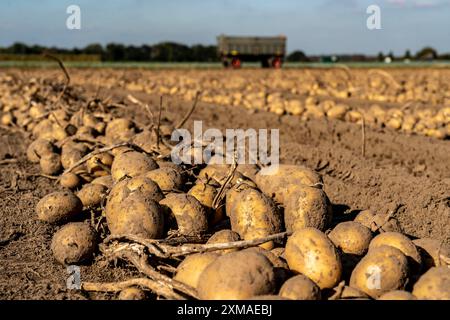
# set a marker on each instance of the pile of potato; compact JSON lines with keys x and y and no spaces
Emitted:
{"x":422,"y":101}
{"x":117,"y":179}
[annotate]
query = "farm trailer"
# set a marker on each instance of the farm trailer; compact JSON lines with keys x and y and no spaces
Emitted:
{"x":270,"y":51}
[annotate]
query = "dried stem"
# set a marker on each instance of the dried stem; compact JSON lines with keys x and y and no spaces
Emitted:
{"x":188,"y":115}
{"x":94,"y":153}
{"x":145,"y":283}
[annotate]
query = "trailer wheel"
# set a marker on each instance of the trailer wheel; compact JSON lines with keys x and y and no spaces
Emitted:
{"x":265,"y":63}
{"x":236,"y":63}
{"x":276,"y":63}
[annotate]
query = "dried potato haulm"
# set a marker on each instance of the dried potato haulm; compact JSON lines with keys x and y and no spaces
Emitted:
{"x":74,"y":243}
{"x":237,"y":276}
{"x":311,"y":253}
{"x":58,"y":207}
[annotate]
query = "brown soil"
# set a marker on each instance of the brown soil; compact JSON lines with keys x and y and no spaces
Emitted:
{"x":408,"y":173}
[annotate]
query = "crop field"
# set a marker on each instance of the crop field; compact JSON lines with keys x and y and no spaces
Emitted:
{"x":358,"y":208}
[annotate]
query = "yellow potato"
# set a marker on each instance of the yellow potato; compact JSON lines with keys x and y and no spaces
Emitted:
{"x":431,"y":252}
{"x":351,"y":237}
{"x":237,"y":276}
{"x":300,"y":287}
{"x":310,"y":252}
{"x":307,"y":207}
{"x":132,"y":294}
{"x":131,"y":164}
{"x":254,"y":215}
{"x":433,"y":284}
{"x":39,"y":148}
{"x":92,"y":195}
{"x":205,"y":194}
{"x":401,"y":242}
{"x":190,"y":269}
{"x":224,"y":236}
{"x":277,"y":181}
{"x":383,"y":269}
{"x":50,"y":164}
{"x":59,"y":207}
{"x":74,"y":243}
{"x":168,"y":179}
{"x":397,"y":295}
{"x":190,"y":215}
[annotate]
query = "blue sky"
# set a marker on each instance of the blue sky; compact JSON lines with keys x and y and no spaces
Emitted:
{"x":314,"y":26}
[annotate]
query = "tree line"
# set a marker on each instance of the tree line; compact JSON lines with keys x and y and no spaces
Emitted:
{"x":176,"y":52}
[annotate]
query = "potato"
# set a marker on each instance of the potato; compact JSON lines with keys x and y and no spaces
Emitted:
{"x":349,"y":293}
{"x":351,"y":237}
{"x":50,"y":163}
{"x":137,"y":215}
{"x":166,"y":178}
{"x":70,"y":156}
{"x":280,"y":266}
{"x":277,"y":182}
{"x":310,"y":252}
{"x":219,"y":172}
{"x":132,"y":294}
{"x":74,"y":243}
{"x":378,"y":222}
{"x":205,"y":194}
{"x":39,"y":148}
{"x":106,"y":181}
{"x":279,"y":252}
{"x":383,"y":269}
{"x":92,"y":195}
{"x":131,"y":164}
{"x":232,"y":194}
{"x":430,"y":251}
{"x":401,"y":242}
{"x":270,"y":297}
{"x":96,"y":164}
{"x":300,"y":288}
{"x":190,"y":269}
{"x":397,"y":295}
{"x":148,"y":188}
{"x":119,"y":130}
{"x":365,"y":217}
{"x":69,"y":180}
{"x":254,"y":215}
{"x":190,"y":216}
{"x":433,"y":284}
{"x":132,"y":208}
{"x":307,"y":207}
{"x":224,"y":236}
{"x":237,"y":276}
{"x":59,"y":207}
